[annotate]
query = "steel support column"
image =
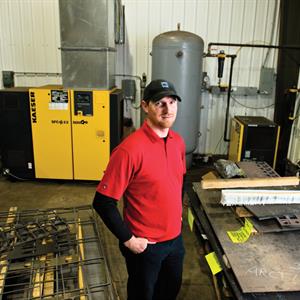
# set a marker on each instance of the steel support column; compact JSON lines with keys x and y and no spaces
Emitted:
{"x":287,"y":74}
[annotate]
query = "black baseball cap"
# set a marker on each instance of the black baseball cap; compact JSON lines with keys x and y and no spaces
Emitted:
{"x":158,"y":89}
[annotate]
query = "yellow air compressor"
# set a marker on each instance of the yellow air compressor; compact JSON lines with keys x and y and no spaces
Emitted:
{"x":253,"y":138}
{"x":74,"y":131}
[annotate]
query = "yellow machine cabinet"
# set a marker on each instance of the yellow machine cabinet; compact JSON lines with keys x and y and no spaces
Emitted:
{"x":253,"y":138}
{"x":51,"y":132}
{"x":91,"y":133}
{"x":74,"y":132}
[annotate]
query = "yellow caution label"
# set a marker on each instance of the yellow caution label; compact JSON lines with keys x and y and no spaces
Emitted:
{"x":243,"y":234}
{"x":213,"y":263}
{"x":190,"y":219}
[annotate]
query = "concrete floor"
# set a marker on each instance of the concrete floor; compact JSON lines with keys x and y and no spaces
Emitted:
{"x":197,"y":283}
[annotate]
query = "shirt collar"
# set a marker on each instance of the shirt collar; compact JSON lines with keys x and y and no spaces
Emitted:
{"x":152,"y":135}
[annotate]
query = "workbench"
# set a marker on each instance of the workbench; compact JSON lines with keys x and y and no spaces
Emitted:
{"x":266,"y":266}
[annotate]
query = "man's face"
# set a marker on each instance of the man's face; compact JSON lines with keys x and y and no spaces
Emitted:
{"x":162,"y":113}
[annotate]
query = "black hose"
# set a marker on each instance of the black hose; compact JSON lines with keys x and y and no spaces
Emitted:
{"x":228,"y":99}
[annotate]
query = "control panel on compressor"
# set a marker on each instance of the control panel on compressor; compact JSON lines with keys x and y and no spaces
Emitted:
{"x":83,"y":103}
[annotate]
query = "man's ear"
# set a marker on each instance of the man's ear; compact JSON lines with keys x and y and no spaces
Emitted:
{"x":144,"y":105}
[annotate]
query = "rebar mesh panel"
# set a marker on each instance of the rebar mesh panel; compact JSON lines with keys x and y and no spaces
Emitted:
{"x":53,"y":254}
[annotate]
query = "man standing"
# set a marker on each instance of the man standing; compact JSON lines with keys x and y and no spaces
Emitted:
{"x":147,"y":169}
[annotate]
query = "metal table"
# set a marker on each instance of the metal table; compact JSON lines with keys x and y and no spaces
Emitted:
{"x":266,"y":266}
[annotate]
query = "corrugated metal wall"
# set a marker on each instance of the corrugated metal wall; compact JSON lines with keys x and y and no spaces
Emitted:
{"x":30,"y":39}
{"x":29,"y":42}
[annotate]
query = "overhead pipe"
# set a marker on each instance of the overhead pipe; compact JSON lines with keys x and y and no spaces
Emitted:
{"x":251,"y":46}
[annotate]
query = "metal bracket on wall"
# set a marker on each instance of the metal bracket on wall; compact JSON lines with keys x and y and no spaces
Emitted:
{"x":8,"y":79}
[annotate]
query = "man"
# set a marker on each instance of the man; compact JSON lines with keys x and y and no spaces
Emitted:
{"x":147,"y":169}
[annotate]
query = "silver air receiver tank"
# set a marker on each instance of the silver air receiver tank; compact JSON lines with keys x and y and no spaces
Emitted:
{"x":177,"y":57}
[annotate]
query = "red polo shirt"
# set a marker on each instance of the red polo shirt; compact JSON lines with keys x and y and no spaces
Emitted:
{"x":148,"y":172}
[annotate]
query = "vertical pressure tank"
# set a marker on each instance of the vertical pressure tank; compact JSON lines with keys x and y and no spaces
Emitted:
{"x":177,"y":57}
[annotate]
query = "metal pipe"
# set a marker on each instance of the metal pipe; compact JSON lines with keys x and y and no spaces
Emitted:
{"x":100,"y":49}
{"x":37,"y":73}
{"x":231,"y":66}
{"x":297,"y":47}
{"x":228,"y":99}
{"x":127,"y":75}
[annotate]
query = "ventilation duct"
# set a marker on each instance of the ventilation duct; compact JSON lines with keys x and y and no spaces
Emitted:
{"x":87,"y":29}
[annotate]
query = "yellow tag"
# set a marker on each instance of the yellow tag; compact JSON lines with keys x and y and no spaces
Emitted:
{"x":213,"y":263}
{"x":243,"y":234}
{"x":248,"y":226}
{"x":190,"y":219}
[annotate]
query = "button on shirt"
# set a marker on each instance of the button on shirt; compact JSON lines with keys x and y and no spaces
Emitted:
{"x":148,"y":172}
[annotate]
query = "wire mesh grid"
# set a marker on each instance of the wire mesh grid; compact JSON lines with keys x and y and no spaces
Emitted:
{"x":53,"y":254}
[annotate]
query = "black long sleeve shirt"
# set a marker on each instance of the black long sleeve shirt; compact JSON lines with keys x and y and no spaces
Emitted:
{"x":107,"y":209}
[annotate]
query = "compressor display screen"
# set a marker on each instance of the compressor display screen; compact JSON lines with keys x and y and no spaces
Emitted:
{"x":83,"y":103}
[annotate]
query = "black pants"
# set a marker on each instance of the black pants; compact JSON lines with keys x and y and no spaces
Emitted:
{"x":156,"y":273}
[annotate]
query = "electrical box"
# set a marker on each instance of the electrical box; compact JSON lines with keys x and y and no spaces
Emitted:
{"x":266,"y":80}
{"x":8,"y":79}
{"x":253,"y":138}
